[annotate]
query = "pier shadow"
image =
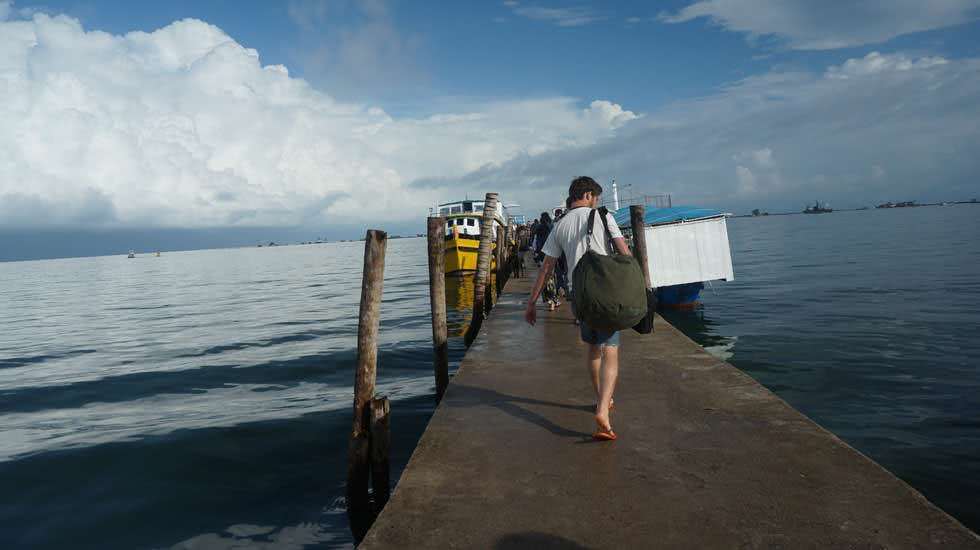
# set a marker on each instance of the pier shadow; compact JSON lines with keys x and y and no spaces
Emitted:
{"x":510,"y":404}
{"x":536,"y":540}
{"x":329,"y":367}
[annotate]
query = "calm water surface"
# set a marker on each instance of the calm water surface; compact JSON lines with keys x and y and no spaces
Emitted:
{"x":203,"y":398}
{"x":869,"y":323}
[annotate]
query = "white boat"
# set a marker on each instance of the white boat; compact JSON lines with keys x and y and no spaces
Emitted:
{"x":464,"y":222}
{"x":686,"y":247}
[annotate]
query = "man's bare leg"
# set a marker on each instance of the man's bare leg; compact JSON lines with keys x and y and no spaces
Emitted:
{"x":607,"y":385}
{"x":593,"y":358}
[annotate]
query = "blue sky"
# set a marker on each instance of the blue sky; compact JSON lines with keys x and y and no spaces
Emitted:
{"x":317,"y":115}
{"x":483,"y":49}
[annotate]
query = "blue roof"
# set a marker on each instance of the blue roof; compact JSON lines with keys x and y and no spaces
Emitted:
{"x":659,"y":216}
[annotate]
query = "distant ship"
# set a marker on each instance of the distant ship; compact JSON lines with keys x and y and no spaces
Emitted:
{"x":817,"y":208}
{"x":131,"y":254}
{"x":906,"y":204}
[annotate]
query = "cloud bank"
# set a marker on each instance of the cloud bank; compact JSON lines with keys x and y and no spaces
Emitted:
{"x":184,"y":127}
{"x":809,"y":25}
{"x":876,"y":128}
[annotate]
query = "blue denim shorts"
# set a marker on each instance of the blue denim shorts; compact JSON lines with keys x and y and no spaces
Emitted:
{"x":598,"y":337}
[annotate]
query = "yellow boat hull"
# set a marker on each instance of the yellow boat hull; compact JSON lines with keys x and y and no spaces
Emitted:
{"x":462,"y":253}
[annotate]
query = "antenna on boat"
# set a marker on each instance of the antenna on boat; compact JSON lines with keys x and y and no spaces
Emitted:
{"x":615,"y":195}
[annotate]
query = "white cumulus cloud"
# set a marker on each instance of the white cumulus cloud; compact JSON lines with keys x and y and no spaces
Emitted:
{"x":184,"y":127}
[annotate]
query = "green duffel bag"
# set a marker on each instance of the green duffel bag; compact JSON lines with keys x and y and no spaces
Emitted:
{"x":609,"y":291}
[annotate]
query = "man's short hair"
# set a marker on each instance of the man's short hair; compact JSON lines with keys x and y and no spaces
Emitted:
{"x":582,"y":185}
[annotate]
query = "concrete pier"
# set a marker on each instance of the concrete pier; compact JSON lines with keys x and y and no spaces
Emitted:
{"x":706,"y":457}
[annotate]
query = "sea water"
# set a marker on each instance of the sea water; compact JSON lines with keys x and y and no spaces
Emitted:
{"x":204,"y":398}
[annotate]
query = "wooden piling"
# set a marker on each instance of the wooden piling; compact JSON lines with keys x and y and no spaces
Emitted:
{"x":499,"y":260}
{"x":437,"y":300}
{"x":359,"y":509}
{"x":480,"y":305}
{"x":380,"y":412}
{"x":638,"y":226}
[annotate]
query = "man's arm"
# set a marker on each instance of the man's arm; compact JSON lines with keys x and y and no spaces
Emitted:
{"x":620,"y":244}
{"x":531,"y":312}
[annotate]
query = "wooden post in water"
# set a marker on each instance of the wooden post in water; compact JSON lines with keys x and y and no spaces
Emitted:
{"x":437,"y":300}
{"x":380,"y":445}
{"x":482,"y":269}
{"x":640,"y":240}
{"x":359,"y":509}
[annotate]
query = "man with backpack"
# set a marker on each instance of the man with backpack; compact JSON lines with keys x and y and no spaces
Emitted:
{"x":574,"y":237}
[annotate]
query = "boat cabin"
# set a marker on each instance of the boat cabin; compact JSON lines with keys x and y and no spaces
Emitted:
{"x":685,"y":244}
{"x":464,"y":225}
{"x":461,"y":207}
{"x":466,"y":217}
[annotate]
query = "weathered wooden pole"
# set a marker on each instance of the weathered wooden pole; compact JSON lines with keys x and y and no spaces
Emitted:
{"x":437,"y":300}
{"x":482,"y":269}
{"x":359,"y":509}
{"x":380,"y":412}
{"x":507,"y":266}
{"x":499,"y":259}
{"x":638,"y":225}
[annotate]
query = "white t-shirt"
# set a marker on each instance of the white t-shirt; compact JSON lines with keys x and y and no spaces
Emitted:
{"x":568,"y":236}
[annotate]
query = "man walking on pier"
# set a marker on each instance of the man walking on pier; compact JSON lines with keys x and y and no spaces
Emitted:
{"x":569,"y":237}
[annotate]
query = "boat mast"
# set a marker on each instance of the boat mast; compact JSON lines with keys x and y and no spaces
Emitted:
{"x":615,"y":195}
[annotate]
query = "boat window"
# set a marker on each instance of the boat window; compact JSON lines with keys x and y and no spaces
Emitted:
{"x":443,"y":211}
{"x":468,"y":206}
{"x":456,"y":209}
{"x":470,"y":221}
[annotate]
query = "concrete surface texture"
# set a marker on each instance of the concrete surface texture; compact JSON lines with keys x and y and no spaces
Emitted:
{"x":706,"y":457}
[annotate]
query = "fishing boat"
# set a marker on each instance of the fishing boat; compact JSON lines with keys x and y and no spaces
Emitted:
{"x":817,"y":208}
{"x":464,"y":222}
{"x":131,"y":254}
{"x":687,"y":246}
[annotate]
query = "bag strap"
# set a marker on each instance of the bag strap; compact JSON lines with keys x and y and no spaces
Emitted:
{"x":603,"y":212}
{"x":591,"y":226}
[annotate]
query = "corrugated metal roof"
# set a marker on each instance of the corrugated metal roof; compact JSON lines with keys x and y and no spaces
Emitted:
{"x":674,"y":214}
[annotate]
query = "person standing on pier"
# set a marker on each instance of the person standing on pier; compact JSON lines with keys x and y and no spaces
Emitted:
{"x":568,"y":237}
